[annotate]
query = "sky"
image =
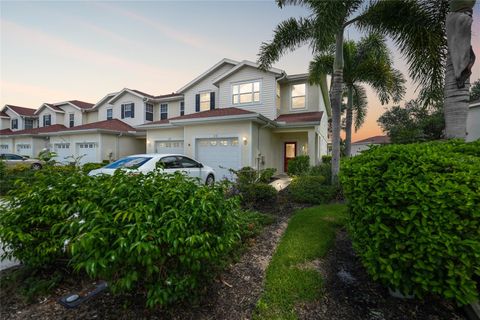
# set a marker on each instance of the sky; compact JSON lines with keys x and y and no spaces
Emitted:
{"x":52,"y":51}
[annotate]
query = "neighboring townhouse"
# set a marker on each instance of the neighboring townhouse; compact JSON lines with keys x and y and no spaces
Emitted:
{"x":473,"y":121}
{"x":236,"y":115}
{"x":365,"y":144}
{"x":18,"y":118}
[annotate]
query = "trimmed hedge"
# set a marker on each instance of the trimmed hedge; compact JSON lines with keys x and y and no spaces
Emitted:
{"x":258,"y":195}
{"x":311,"y":189}
{"x":415,"y":216}
{"x":299,"y":165}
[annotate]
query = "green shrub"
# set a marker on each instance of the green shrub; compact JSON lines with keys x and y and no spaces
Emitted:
{"x":87,"y":167}
{"x":415,"y":216}
{"x":258,"y":195}
{"x":164,"y":235}
{"x":327,"y":159}
{"x":324,"y":170}
{"x":298,"y":166}
{"x":310,"y":189}
{"x":248,"y":175}
{"x":8,"y":176}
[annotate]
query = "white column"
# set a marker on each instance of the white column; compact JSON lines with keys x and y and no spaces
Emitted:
{"x":312,"y":147}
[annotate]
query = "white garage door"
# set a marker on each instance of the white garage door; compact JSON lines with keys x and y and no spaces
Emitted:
{"x":175,"y":147}
{"x":87,"y":151}
{"x":221,"y":154}
{"x":64,"y":155}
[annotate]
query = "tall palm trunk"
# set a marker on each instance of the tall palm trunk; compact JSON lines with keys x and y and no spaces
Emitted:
{"x":336,"y":102}
{"x":456,"y":104}
{"x":348,"y":122}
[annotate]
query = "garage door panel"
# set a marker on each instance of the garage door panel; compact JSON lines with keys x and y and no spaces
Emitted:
{"x":87,"y":151}
{"x":170,"y":146}
{"x":221,"y":154}
{"x":63,"y":151}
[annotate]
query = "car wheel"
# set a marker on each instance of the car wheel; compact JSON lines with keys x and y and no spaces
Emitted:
{"x":210,"y":180}
{"x":36,"y":166}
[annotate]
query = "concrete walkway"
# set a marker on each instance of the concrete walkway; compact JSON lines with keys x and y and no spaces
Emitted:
{"x":282,"y":181}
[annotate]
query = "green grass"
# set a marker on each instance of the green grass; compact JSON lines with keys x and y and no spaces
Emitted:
{"x":289,"y":280}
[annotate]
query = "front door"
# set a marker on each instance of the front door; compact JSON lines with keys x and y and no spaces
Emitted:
{"x":290,"y":152}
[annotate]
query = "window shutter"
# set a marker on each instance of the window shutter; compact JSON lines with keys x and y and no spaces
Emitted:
{"x":197,"y":102}
{"x":123,"y":111}
{"x":133,"y":110}
{"x":212,"y":100}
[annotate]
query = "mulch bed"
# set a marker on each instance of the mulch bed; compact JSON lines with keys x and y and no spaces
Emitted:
{"x":348,"y":291}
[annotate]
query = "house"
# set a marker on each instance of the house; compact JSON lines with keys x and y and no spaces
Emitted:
{"x":235,"y":115}
{"x":473,"y":121}
{"x":362,"y":145}
{"x":232,"y":115}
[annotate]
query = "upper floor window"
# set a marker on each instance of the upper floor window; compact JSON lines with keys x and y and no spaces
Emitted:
{"x":246,"y":92}
{"x":128,"y":110}
{"x":163,"y":111}
{"x":298,"y":96}
{"x":47,"y":120}
{"x":15,"y":124}
{"x":182,"y":108}
{"x":71,"y":120}
{"x":148,"y":111}
{"x":109,"y":114}
{"x":28,"y":123}
{"x":204,"y":101}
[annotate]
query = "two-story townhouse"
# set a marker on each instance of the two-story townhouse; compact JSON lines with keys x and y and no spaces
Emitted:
{"x":237,"y":115}
{"x":16,"y":119}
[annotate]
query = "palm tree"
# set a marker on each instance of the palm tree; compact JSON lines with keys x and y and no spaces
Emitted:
{"x":367,"y":61}
{"x":415,"y":27}
{"x":460,"y":59}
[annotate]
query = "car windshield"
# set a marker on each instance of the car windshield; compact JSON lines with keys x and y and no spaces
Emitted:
{"x":129,"y":163}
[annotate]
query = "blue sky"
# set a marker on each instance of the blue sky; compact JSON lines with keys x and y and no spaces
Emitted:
{"x":56,"y":51}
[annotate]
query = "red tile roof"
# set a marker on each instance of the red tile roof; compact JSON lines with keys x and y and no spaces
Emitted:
{"x":82,"y":104}
{"x":170,"y":95}
{"x":3,"y":114}
{"x":54,"y":107}
{"x":375,"y":140}
{"x":300,"y":117}
{"x":22,"y":110}
{"x":113,"y":124}
{"x":5,"y":132}
{"x":222,"y":112}
{"x":143,"y":93}
{"x":52,"y":128}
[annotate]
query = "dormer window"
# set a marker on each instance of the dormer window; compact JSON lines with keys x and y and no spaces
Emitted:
{"x":28,"y":123}
{"x":47,"y":120}
{"x":109,"y":114}
{"x":298,"y":96}
{"x":128,"y":110}
{"x":247,"y":92}
{"x":71,"y":120}
{"x":204,"y":101}
{"x":15,"y":124}
{"x":182,"y":108}
{"x":149,"y":112}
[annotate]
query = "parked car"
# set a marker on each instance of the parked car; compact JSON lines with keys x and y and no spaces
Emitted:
{"x":169,"y":163}
{"x":12,"y":160}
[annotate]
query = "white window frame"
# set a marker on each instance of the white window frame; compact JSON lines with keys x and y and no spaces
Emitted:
{"x":14,"y":121}
{"x":182,"y":108}
{"x":205,"y":101}
{"x":164,"y":112}
{"x":148,"y":105}
{"x":49,"y":120}
{"x":71,"y":120}
{"x":252,"y":93}
{"x":291,"y":96}
{"x":130,"y":106}
{"x":25,"y":123}
{"x":111,"y":113}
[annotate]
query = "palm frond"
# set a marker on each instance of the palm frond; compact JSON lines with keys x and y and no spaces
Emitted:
{"x":359,"y":106}
{"x":320,"y":65}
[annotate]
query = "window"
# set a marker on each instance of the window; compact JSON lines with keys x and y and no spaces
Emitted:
{"x":58,"y":146}
{"x":28,"y":123}
{"x":204,"y":101}
{"x":163,"y":111}
{"x":128,"y":110}
{"x":109,"y":114}
{"x":4,"y":146}
{"x":246,"y":92}
{"x":15,"y":124}
{"x":47,"y":120}
{"x":188,"y":163}
{"x":148,"y":111}
{"x":182,"y":108}
{"x":10,"y":156}
{"x":71,"y":120}
{"x":169,"y":163}
{"x":298,"y":96}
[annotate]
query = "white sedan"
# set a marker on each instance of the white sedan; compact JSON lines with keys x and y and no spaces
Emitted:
{"x":170,"y":163}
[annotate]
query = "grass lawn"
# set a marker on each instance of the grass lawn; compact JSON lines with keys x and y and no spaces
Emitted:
{"x":289,"y":280}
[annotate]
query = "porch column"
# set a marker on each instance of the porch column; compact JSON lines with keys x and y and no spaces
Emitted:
{"x":312,"y":147}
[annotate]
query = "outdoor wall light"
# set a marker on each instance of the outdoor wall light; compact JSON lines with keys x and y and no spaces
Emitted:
{"x":244,"y":139}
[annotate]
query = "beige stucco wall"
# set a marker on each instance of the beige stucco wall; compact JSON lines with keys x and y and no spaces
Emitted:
{"x":473,"y":123}
{"x":166,"y":134}
{"x":221,"y":130}
{"x":91,"y":116}
{"x":129,"y":145}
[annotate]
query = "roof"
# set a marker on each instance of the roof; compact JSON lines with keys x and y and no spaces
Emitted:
{"x":52,"y":128}
{"x":4,"y":115}
{"x":244,"y":63}
{"x":300,"y":117}
{"x":206,"y":73}
{"x":113,"y":125}
{"x":80,"y":104}
{"x":143,"y":93}
{"x":374,"y":140}
{"x":222,"y":112}
{"x":22,"y":110}
{"x":5,"y":132}
{"x":48,"y":105}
